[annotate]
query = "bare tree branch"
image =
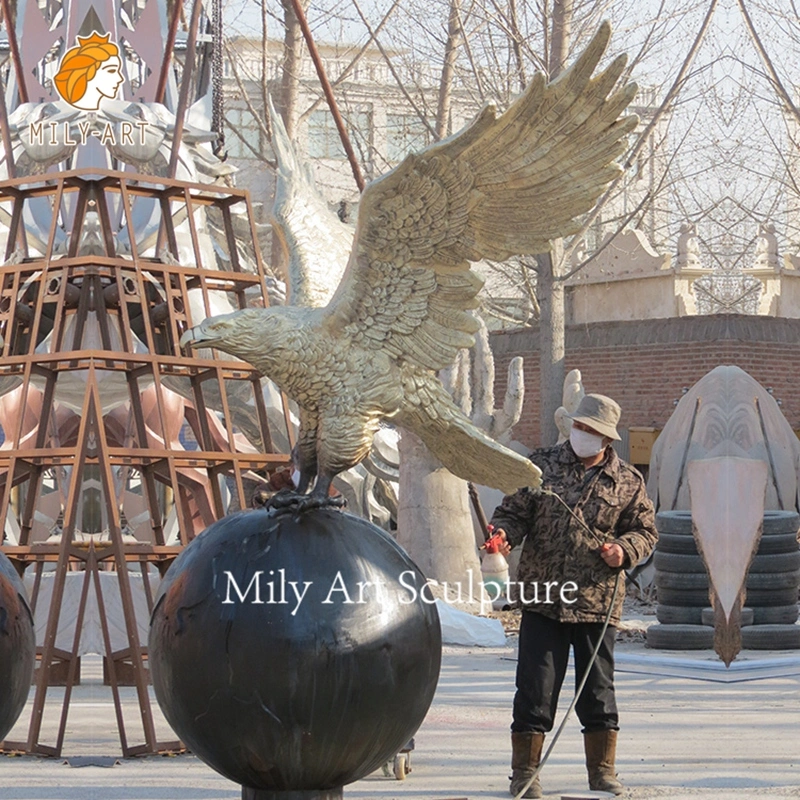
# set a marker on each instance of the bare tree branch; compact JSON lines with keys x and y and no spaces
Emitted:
{"x":775,"y":80}
{"x":676,"y":87}
{"x":423,"y":117}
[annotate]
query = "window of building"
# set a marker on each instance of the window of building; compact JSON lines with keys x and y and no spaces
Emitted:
{"x":405,"y":133}
{"x":324,"y":140}
{"x":241,"y":120}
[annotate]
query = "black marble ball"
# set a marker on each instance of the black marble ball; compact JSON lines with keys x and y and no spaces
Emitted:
{"x":17,"y":646}
{"x":294,"y":651}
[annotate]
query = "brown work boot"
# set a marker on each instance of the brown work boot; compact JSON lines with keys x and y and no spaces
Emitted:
{"x":526,"y":750}
{"x":601,"y":747}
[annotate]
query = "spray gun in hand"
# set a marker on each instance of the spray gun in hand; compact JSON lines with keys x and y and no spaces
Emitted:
{"x":495,"y":543}
{"x":494,"y":567}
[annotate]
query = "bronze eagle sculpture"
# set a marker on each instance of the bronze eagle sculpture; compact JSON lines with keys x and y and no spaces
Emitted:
{"x":505,"y":185}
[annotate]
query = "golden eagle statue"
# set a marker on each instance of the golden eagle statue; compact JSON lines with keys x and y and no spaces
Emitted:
{"x":501,"y":187}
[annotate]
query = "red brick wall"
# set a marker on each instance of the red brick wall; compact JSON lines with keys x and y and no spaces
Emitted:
{"x":643,"y":365}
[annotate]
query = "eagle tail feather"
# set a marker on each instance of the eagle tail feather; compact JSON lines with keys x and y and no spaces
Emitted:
{"x":473,"y":455}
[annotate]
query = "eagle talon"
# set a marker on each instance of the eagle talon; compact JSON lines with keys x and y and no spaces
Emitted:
{"x":291,"y":500}
{"x":311,"y":501}
{"x":283,"y":499}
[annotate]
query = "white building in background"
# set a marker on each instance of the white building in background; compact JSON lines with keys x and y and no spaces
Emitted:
{"x":383,"y":124}
{"x":385,"y":127}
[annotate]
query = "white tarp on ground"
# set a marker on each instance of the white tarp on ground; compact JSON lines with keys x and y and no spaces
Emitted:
{"x":458,"y":627}
{"x":92,"y":633}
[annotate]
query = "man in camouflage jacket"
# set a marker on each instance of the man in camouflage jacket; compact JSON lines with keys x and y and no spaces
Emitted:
{"x":565,"y":581}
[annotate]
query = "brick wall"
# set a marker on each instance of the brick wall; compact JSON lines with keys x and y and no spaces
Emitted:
{"x":644,"y":364}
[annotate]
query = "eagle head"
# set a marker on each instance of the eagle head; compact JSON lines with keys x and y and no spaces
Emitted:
{"x":229,"y":332}
{"x":212,"y":331}
{"x":249,"y":334}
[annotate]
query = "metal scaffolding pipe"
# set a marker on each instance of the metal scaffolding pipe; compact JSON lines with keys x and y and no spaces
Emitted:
{"x":328,"y":90}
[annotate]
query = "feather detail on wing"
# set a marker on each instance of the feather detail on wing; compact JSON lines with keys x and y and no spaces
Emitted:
{"x":463,"y":448}
{"x":316,"y":242}
{"x":504,"y":186}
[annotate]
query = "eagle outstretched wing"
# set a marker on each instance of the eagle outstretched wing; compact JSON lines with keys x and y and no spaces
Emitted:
{"x":503,"y":186}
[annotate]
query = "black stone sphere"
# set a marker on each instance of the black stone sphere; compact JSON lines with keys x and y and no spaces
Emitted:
{"x":17,"y":646}
{"x":276,"y":667}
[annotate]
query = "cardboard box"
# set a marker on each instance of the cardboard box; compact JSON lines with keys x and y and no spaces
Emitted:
{"x":640,"y":443}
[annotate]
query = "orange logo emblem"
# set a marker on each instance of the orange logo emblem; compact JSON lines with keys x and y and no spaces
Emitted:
{"x":89,"y":72}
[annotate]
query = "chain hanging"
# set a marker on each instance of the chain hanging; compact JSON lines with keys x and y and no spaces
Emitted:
{"x":218,"y":100}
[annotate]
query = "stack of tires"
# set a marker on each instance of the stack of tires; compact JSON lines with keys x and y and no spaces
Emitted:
{"x":683,"y":611}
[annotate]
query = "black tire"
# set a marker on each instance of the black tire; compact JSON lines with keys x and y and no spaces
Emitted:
{"x":759,"y":581}
{"x":685,"y":597}
{"x":676,"y":543}
{"x":769,"y":545}
{"x":767,"y":581}
{"x":699,"y":597}
{"x":763,"y":562}
{"x":776,"y":615}
{"x":777,"y":543}
{"x":771,"y":637}
{"x":674,"y":522}
{"x":776,"y":562}
{"x":681,"y":580}
{"x":707,"y":616}
{"x":678,"y":615}
{"x":776,"y":523}
{"x":680,"y":637}
{"x":770,"y":597}
{"x":678,"y":562}
{"x":781,"y":522}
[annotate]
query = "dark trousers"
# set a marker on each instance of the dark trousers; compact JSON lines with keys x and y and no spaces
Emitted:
{"x":543,"y":655}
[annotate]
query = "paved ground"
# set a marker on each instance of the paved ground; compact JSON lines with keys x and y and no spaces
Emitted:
{"x":685,"y":734}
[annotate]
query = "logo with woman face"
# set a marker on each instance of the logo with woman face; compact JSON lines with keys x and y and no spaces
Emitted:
{"x":90,"y":72}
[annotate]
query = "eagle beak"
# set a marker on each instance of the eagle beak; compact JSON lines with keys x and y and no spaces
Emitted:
{"x":189,"y":338}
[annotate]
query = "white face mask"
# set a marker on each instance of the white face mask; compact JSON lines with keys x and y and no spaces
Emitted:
{"x":585,"y":444}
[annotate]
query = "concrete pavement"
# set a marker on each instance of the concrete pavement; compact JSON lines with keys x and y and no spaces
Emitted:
{"x":685,"y":733}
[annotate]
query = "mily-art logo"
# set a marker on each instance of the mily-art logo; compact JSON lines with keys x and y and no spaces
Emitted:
{"x":89,"y":73}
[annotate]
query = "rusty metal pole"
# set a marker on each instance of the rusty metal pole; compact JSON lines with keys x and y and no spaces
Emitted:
{"x":5,"y":134}
{"x":14,"y":47}
{"x":186,"y":79}
{"x":328,"y":90}
{"x":478,"y":509}
{"x":161,"y":89}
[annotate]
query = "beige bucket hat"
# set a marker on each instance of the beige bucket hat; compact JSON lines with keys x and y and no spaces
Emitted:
{"x":600,"y":413}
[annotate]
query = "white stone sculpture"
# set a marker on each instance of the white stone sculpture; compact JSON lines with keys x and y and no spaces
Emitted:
{"x":571,"y":397}
{"x":727,"y":454}
{"x":766,"y":256}
{"x":317,"y":243}
{"x":688,"y":247}
{"x":434,"y":512}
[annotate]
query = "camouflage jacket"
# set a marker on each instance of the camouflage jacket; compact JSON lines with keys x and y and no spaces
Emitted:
{"x":612,"y":501}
